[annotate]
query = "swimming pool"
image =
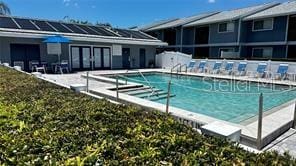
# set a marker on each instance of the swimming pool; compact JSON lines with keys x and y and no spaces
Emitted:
{"x":228,"y":100}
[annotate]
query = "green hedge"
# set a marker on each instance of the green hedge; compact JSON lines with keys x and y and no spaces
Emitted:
{"x":43,"y":124}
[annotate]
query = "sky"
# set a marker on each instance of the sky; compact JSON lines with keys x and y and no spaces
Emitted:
{"x":122,"y":13}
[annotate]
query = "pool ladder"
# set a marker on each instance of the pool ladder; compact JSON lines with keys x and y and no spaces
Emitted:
{"x":153,"y":92}
{"x":179,"y":67}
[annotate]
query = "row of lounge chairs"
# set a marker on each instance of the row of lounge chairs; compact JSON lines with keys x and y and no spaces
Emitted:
{"x":241,"y":70}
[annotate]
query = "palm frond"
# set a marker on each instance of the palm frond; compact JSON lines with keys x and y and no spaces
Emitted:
{"x":4,"y":9}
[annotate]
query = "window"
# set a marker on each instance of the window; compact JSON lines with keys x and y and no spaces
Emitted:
{"x":226,"y":27}
{"x":262,"y":52}
{"x":262,"y":25}
{"x":226,"y":52}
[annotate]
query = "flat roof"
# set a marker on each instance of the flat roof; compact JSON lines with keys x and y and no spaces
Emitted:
{"x":33,"y":27}
{"x":181,"y":21}
{"x":230,"y":15}
{"x":283,"y":9}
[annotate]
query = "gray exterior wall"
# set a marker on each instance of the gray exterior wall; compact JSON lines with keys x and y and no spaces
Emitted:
{"x":215,"y":51}
{"x":5,"y":52}
{"x":278,"y":33}
{"x":227,"y":37}
{"x":279,"y":52}
{"x":135,"y":54}
{"x":5,"y":49}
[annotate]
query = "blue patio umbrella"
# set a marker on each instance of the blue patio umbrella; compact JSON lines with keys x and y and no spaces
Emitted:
{"x":58,"y":39}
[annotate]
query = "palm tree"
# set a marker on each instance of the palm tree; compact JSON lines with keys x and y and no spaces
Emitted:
{"x":4,"y":9}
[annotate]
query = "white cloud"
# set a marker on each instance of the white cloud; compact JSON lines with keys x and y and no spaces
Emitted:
{"x":76,"y":4}
{"x":211,"y":1}
{"x":66,"y":2}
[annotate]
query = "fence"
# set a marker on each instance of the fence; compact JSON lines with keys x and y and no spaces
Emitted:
{"x":170,"y":59}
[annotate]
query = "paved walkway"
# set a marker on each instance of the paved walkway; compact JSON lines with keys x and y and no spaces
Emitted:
{"x":76,"y":78}
{"x":284,"y":143}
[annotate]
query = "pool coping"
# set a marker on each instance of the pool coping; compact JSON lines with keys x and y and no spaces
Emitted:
{"x":248,"y":134}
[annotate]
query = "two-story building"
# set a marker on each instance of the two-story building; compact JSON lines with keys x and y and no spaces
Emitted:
{"x":270,"y":33}
{"x":172,"y":31}
{"x":264,"y":31}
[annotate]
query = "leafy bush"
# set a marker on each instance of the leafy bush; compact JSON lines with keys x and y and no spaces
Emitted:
{"x":43,"y":124}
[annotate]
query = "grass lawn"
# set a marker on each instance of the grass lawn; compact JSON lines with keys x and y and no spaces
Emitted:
{"x":43,"y":124}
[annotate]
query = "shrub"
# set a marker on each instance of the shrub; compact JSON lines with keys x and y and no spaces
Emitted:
{"x":43,"y":124}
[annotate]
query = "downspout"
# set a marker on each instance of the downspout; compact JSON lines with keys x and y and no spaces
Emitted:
{"x":239,"y":37}
{"x":287,"y":33}
{"x":181,"y":40}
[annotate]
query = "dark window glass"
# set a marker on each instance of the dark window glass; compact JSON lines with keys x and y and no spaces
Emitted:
{"x":258,"y":25}
{"x":223,"y":27}
{"x":266,"y":24}
{"x":262,"y":52}
{"x":258,"y":53}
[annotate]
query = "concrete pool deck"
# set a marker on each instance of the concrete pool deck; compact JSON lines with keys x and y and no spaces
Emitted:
{"x":274,"y":124}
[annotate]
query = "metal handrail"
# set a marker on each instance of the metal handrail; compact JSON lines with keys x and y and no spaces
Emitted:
{"x":177,"y":65}
{"x":149,"y":84}
{"x":183,"y":66}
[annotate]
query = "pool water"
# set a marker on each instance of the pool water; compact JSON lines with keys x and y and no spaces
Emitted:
{"x":227,"y":100}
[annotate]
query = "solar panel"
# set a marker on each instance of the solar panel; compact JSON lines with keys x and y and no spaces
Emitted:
{"x":89,"y":30}
{"x":123,"y":33}
{"x":132,"y":34}
{"x":6,"y":22}
{"x":141,"y":35}
{"x":75,"y":29}
{"x":26,"y":24}
{"x":43,"y":26}
{"x":59,"y":27}
{"x":102,"y":31}
{"x":30,"y":24}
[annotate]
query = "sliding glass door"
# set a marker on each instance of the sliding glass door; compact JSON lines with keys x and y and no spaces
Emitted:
{"x":83,"y":58}
{"x":102,"y":58}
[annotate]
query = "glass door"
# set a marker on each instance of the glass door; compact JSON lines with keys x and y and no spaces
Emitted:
{"x":75,"y":57}
{"x":107,"y":58}
{"x":97,"y":58}
{"x":86,"y":57}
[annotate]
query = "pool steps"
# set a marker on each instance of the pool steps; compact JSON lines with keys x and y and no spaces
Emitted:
{"x":134,"y":89}
{"x":141,"y":92}
{"x":144,"y":92}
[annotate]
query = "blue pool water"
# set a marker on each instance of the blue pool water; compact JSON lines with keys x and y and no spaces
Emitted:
{"x":227,"y":100}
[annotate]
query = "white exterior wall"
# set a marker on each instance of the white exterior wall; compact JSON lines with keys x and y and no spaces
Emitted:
{"x":170,"y":59}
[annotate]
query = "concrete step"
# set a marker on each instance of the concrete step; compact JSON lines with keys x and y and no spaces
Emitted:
{"x":156,"y":94}
{"x":134,"y":89}
{"x":155,"y":98}
{"x":122,"y":87}
{"x":141,"y":92}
